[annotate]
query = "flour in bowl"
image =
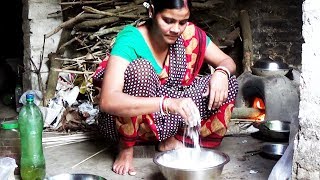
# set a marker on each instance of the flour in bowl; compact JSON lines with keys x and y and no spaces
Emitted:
{"x":190,"y":158}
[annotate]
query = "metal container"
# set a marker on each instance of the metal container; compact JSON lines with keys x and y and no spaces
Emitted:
{"x":269,"y":67}
{"x":67,"y":176}
{"x":275,"y":129}
{"x":273,"y":150}
{"x":198,"y":172}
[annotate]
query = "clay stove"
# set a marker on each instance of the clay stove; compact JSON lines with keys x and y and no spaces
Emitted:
{"x":279,"y":94}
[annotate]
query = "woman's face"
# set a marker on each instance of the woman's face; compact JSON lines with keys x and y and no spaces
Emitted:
{"x":170,"y":23}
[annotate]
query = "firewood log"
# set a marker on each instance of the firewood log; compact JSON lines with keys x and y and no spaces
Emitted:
{"x":247,"y":40}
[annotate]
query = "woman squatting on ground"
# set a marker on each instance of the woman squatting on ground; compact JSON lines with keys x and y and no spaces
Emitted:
{"x":151,"y":89}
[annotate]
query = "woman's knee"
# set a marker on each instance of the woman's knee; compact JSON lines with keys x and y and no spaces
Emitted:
{"x":140,"y":79}
{"x":233,"y":84}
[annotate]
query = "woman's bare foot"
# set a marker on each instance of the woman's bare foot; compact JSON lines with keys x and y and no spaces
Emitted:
{"x":124,"y":162}
{"x":170,"y":144}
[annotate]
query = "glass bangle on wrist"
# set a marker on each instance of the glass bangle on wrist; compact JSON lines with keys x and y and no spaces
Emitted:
{"x":223,"y":72}
{"x":163,"y":106}
{"x":223,"y":69}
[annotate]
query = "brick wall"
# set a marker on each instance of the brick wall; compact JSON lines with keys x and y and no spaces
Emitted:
{"x":276,"y":29}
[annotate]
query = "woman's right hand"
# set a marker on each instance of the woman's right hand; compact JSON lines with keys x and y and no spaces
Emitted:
{"x":186,"y":108}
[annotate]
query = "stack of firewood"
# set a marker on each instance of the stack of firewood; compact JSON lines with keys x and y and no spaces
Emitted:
{"x":88,"y":31}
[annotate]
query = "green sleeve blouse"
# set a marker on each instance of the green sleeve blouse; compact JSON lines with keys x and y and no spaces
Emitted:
{"x":131,"y":45}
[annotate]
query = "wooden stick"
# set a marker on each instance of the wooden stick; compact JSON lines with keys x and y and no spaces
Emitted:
{"x":75,"y":60}
{"x":82,"y":2}
{"x":230,"y":38}
{"x":92,"y":10}
{"x":72,"y":71}
{"x":246,"y":120}
{"x":63,"y":25}
{"x":97,"y":53}
{"x":96,"y":22}
{"x":107,"y":3}
{"x":83,"y":134}
{"x":83,"y":44}
{"x":121,"y":9}
{"x":89,"y":157}
{"x":52,"y":78}
{"x":221,"y":17}
{"x":233,"y":35}
{"x":58,"y":140}
{"x":206,"y":5}
{"x":245,"y":113}
{"x":115,"y":29}
{"x":139,"y":1}
{"x":64,"y":138}
{"x":62,"y":144}
{"x":67,"y":43}
{"x":247,"y":41}
{"x":71,"y":22}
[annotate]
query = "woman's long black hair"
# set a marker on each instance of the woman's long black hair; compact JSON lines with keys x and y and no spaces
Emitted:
{"x":160,"y":5}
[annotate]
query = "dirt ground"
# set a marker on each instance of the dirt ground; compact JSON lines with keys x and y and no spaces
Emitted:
{"x":96,"y":157}
{"x":245,"y":162}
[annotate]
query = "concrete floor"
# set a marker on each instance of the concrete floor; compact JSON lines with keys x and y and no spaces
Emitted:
{"x":244,"y":162}
{"x":242,"y":165}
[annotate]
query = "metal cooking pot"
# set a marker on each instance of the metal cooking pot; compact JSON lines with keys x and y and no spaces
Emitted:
{"x":273,"y":150}
{"x":67,"y":176}
{"x":274,"y":129}
{"x":268,"y":67}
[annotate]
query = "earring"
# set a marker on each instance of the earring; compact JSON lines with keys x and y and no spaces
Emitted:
{"x":146,"y":5}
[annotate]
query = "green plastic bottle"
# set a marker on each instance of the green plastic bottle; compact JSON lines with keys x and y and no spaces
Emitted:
{"x":32,"y":163}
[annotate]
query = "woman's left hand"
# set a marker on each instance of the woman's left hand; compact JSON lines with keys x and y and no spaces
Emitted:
{"x":218,"y":90}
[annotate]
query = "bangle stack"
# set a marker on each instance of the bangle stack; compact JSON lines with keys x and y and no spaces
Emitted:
{"x":163,"y":106}
{"x":223,"y":70}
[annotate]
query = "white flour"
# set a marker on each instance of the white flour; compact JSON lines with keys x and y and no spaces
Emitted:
{"x":192,"y":133}
{"x":190,"y":158}
{"x":192,"y":130}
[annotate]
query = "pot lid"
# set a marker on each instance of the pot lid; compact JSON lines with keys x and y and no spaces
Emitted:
{"x":270,"y":64}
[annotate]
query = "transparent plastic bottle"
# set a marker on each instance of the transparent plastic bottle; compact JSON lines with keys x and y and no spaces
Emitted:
{"x":32,"y":163}
{"x":18,"y":91}
{"x":17,"y":94}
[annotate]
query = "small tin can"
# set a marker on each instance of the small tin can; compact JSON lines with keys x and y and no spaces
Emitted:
{"x":10,"y":141}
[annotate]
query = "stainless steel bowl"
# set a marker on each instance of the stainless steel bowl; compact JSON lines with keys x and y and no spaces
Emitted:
{"x":273,"y":151}
{"x":275,"y":129}
{"x":193,"y":164}
{"x":67,"y":176}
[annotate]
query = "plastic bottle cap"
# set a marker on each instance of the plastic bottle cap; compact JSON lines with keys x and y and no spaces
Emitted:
{"x":30,"y":97}
{"x":13,"y":124}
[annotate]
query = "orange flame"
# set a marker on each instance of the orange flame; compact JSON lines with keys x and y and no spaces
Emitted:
{"x":259,"y":104}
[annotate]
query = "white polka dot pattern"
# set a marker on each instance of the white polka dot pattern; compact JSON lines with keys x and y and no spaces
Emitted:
{"x":141,"y":80}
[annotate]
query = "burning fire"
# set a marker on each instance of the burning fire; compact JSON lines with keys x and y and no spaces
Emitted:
{"x":259,"y":104}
